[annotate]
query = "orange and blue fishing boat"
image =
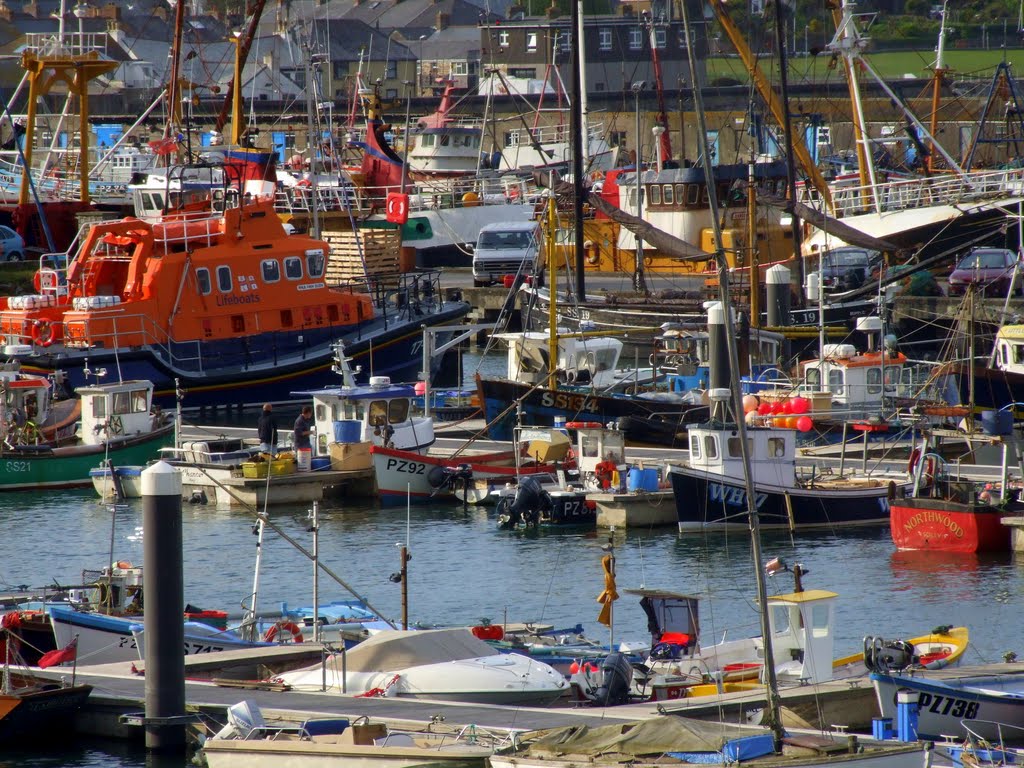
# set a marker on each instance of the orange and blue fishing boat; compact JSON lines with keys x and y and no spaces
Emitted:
{"x":216,"y":296}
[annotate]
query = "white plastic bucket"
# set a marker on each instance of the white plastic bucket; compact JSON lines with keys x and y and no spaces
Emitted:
{"x":303,"y":459}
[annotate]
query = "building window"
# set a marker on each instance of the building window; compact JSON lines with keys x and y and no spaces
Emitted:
{"x":617,"y":138}
{"x":503,"y":39}
{"x":526,"y":73}
{"x":565,"y":40}
{"x":636,"y":39}
{"x":604,"y":39}
{"x":391,"y":70}
{"x":460,"y":68}
{"x":531,"y":41}
{"x":340,"y":69}
{"x":659,"y":38}
{"x":391,"y":94}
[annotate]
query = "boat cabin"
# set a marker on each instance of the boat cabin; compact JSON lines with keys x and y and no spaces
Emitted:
{"x":715,"y":449}
{"x":26,"y":398}
{"x":379,"y":413}
{"x":114,"y":591}
{"x":591,"y":361}
{"x":857,"y":381}
{"x":597,"y":447}
{"x":1009,"y":351}
{"x":683,"y":355}
{"x":802,"y":637}
{"x":672,"y":619}
{"x":110,"y":411}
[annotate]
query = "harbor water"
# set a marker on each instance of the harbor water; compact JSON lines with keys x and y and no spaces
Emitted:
{"x":463,"y":569}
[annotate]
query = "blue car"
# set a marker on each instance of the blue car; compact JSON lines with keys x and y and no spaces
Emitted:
{"x":12,"y":245}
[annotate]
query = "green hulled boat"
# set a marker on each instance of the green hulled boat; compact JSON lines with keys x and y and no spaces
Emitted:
{"x":118,"y":423}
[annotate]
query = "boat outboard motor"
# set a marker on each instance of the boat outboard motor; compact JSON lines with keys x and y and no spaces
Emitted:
{"x":523,"y":507}
{"x":617,"y":677}
{"x":882,"y":655}
{"x":441,"y":478}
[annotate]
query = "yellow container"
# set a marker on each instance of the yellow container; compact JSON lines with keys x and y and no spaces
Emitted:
{"x":281,"y":467}
{"x":255,"y":468}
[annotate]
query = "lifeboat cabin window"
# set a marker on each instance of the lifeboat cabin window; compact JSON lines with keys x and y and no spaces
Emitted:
{"x":224,"y":279}
{"x":315,"y":263}
{"x":271,"y":270}
{"x":655,"y":194}
{"x":667,"y":194}
{"x":293,"y":268}
{"x":710,"y":446}
{"x":591,"y":446}
{"x":813,"y":378}
{"x":428,"y":139}
{"x":99,"y":408}
{"x":776,"y":448}
{"x":692,"y":194}
{"x":819,"y":621}
{"x":694,"y":447}
{"x":203,"y":280}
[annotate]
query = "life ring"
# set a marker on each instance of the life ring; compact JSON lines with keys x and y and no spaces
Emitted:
{"x":284,"y":626}
{"x":42,"y":333}
{"x":915,"y":456}
{"x":593,"y":257}
{"x":583,"y":425}
{"x":304,"y":183}
{"x":513,"y":192}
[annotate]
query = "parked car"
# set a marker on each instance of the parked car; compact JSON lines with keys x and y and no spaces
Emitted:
{"x":12,"y":245}
{"x":989,"y":269}
{"x":506,"y":249}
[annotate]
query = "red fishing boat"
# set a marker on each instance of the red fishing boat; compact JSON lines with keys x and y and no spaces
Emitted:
{"x":946,"y":513}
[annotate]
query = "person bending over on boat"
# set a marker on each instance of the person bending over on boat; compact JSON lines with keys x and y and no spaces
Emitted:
{"x":266,"y":429}
{"x":303,"y":428}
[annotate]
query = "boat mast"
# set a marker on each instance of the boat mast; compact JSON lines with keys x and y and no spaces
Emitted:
{"x":233,"y":97}
{"x":174,"y":86}
{"x":576,"y":125}
{"x":771,"y":684}
{"x":787,"y":132}
{"x":580,"y":47}
{"x":664,"y":140}
{"x":939,"y":76}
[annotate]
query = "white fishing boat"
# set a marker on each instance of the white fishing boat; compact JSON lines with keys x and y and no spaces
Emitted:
{"x":247,"y":741}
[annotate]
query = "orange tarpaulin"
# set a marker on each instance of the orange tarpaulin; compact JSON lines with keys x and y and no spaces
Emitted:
{"x":609,"y":595}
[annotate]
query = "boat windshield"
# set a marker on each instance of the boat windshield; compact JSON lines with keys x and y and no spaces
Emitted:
{"x":504,"y":240}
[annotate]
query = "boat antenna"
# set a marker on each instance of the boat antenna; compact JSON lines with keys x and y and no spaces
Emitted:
{"x":774,"y":717}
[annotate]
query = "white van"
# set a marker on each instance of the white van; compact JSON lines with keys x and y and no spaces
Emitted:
{"x":506,"y":248}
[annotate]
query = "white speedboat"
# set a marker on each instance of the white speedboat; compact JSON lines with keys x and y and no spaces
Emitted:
{"x":443,"y":664}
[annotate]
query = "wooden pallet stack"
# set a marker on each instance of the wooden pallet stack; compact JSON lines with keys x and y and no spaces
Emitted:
{"x":378,"y":248}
